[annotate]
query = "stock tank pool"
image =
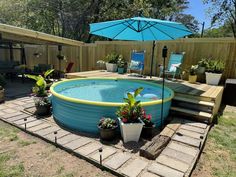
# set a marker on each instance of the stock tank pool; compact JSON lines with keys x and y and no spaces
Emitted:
{"x":78,"y":104}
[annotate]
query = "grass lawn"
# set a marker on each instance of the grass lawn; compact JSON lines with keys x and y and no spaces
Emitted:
{"x":219,"y":155}
{"x":24,"y":155}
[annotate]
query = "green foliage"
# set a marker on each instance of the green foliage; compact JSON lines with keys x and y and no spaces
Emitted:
{"x":121,"y":62}
{"x":107,"y":123}
{"x":215,"y":66}
{"x":132,"y":110}
{"x":71,"y":19}
{"x":193,"y":70}
{"x":40,"y":86}
{"x":203,"y":62}
{"x":113,"y":58}
{"x":222,"y":12}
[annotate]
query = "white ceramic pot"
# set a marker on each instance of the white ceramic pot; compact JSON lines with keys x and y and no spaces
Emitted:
{"x":111,"y":67}
{"x":213,"y":78}
{"x":130,"y":131}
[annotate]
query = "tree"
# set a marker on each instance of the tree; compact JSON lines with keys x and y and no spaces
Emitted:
{"x":189,"y":21}
{"x":71,"y":18}
{"x":223,"y":11}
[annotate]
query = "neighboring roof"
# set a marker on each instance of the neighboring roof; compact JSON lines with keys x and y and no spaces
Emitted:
{"x":21,"y":35}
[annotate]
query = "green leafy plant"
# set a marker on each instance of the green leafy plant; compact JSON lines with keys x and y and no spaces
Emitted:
{"x":112,"y":58}
{"x":203,"y":62}
{"x":132,"y":110}
{"x":42,"y":101}
{"x":121,"y":62}
{"x":215,"y":66}
{"x":107,"y":123}
{"x":193,"y":70}
{"x":40,"y":86}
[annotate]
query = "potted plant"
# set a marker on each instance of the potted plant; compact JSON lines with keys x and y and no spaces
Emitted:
{"x":111,"y":62}
{"x":192,"y":78}
{"x":122,"y":65}
{"x":202,"y":64}
{"x":129,"y":116}
{"x":42,"y":102}
{"x":147,"y":131}
{"x":107,"y":128}
{"x":214,"y":71}
{"x":2,"y":91}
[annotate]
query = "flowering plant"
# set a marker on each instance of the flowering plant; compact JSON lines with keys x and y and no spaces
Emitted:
{"x":146,"y":118}
{"x":132,"y":110}
{"x":107,"y":123}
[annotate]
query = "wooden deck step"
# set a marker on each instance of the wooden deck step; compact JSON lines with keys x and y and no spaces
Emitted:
{"x":193,"y":114}
{"x":195,"y":97}
{"x":194,"y":101}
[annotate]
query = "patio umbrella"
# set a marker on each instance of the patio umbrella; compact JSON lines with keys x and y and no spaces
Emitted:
{"x":140,"y":29}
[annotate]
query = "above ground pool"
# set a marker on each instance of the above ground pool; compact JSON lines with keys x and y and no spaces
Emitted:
{"x":78,"y":104}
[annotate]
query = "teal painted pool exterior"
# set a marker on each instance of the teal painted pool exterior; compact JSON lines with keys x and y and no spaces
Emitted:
{"x":82,"y":117}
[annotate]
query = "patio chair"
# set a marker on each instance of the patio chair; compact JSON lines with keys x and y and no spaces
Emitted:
{"x":69,"y":67}
{"x":137,"y":63}
{"x":173,"y":67}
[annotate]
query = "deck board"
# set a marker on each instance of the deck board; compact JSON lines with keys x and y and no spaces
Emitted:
{"x":178,"y":86}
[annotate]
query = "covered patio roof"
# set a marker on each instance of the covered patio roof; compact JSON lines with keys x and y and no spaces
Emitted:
{"x":14,"y":34}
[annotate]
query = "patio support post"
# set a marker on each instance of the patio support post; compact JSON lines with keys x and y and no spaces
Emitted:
{"x":153,"y":49}
{"x":164,"y":55}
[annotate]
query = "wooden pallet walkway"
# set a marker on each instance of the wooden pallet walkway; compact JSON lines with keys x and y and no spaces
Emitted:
{"x":177,"y":159}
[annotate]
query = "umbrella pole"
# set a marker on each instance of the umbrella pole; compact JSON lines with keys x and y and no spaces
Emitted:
{"x":153,"y":49}
{"x":164,"y":55}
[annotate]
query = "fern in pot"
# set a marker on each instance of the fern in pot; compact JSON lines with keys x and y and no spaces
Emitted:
{"x":129,"y":116}
{"x":214,"y":71}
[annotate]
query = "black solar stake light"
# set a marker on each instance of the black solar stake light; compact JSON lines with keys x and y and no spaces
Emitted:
{"x":25,"y":119}
{"x":164,"y":55}
{"x":100,"y":154}
{"x":55,"y":134}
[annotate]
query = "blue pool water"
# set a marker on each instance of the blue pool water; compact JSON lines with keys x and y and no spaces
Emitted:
{"x":109,"y":90}
{"x":80,"y":103}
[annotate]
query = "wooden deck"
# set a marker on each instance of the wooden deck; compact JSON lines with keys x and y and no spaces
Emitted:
{"x":205,"y":99}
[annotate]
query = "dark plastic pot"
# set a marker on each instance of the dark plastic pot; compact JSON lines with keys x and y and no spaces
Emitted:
{"x":121,"y":70}
{"x":43,"y":110}
{"x":107,"y":134}
{"x":147,"y":132}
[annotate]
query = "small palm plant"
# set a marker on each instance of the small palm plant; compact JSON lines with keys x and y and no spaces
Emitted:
{"x":42,"y":102}
{"x":132,"y":110}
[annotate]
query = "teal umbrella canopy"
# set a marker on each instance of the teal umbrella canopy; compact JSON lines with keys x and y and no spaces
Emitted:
{"x":140,"y":29}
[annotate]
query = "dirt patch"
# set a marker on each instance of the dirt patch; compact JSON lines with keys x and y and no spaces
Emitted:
{"x":34,"y":157}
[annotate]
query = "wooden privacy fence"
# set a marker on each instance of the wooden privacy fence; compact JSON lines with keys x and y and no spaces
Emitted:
{"x":86,"y":56}
{"x":195,"y":48}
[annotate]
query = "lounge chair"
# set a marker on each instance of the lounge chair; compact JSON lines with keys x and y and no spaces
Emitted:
{"x":173,"y":67}
{"x":137,"y":63}
{"x":69,"y":67}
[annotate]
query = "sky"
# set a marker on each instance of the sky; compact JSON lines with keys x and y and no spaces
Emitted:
{"x":198,"y":10}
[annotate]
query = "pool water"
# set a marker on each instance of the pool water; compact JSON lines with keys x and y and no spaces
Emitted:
{"x":109,"y":90}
